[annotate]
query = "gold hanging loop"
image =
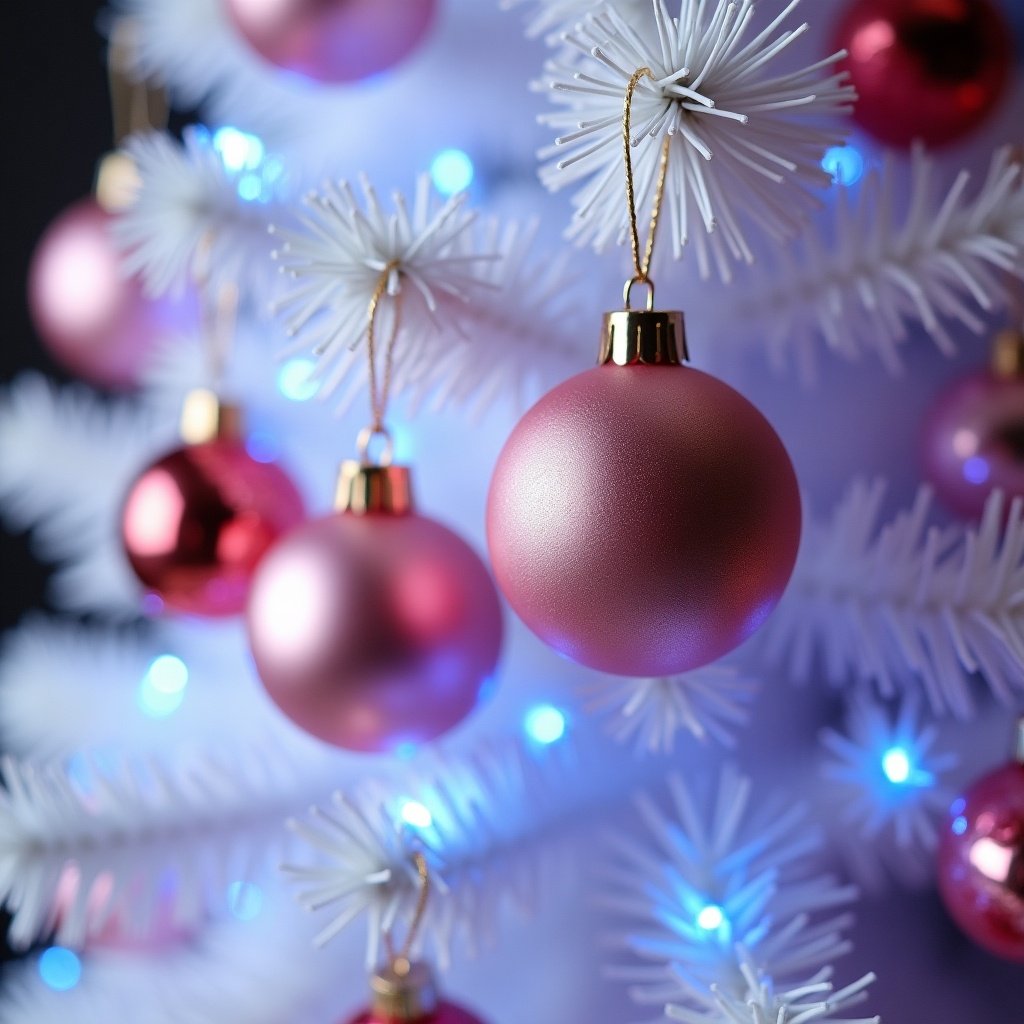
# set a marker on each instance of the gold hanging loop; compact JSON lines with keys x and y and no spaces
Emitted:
{"x":218,"y":309}
{"x":399,"y":960}
{"x":641,"y":264}
{"x":136,"y":106}
{"x":380,"y":385}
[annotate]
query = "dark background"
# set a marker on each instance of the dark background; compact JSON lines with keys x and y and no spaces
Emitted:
{"x":56,"y":125}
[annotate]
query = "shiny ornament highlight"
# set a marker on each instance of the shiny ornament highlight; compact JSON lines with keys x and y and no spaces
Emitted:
{"x":928,"y":70}
{"x":373,"y":630}
{"x":981,"y":862}
{"x":95,"y":321}
{"x":333,"y":41}
{"x":643,"y":520}
{"x":973,"y":437}
{"x":198,"y":521}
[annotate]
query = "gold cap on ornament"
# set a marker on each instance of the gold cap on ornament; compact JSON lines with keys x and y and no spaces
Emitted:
{"x":1008,"y":353}
{"x":370,"y":485}
{"x":204,"y":417}
{"x":647,"y":337}
{"x":117,"y":182}
{"x":403,"y":992}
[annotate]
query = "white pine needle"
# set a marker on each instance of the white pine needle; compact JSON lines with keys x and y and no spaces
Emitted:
{"x":188,"y":223}
{"x":521,"y":331}
{"x":724,"y":870}
{"x":552,"y":17}
{"x":71,"y":499}
{"x":746,"y":137}
{"x":905,"y":605}
{"x":477,"y":821}
{"x":887,"y":778}
{"x":860,"y":281}
{"x":708,"y":703}
{"x":336,"y":259}
{"x":114,"y":837}
{"x":759,"y":1002}
{"x":112,"y":689}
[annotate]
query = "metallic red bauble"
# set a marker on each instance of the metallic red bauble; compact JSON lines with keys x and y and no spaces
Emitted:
{"x":981,"y":862}
{"x":643,"y":520}
{"x":333,"y":40}
{"x":94,"y":321}
{"x":973,"y":442}
{"x":446,"y":1013}
{"x":374,"y":631}
{"x":197,"y":523}
{"x":925,"y":69}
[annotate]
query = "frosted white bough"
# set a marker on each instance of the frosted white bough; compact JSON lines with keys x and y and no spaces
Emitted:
{"x":904,"y":604}
{"x":746,"y":141}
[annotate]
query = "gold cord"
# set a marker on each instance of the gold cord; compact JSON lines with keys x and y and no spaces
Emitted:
{"x":400,"y":962}
{"x":218,"y":311}
{"x":380,"y":392}
{"x":641,"y":267}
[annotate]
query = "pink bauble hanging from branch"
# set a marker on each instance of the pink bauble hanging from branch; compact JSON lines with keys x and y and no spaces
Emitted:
{"x":333,"y":41}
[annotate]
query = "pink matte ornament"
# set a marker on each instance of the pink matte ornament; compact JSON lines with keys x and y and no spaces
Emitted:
{"x":93,"y":319}
{"x":198,"y":521}
{"x":333,"y":41}
{"x":981,"y":862}
{"x":973,"y":439}
{"x":927,"y":70}
{"x":374,"y":631}
{"x":643,"y":520}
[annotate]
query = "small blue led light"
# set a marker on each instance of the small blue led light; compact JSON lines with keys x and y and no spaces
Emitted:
{"x":545,"y":724}
{"x":60,"y":969}
{"x":976,"y":470}
{"x":959,"y":825}
{"x":416,"y":814}
{"x":293,"y":380}
{"x":451,"y":171}
{"x":162,"y":689}
{"x":896,"y":765}
{"x":405,"y":751}
{"x":711,"y":918}
{"x":245,"y":900}
{"x":239,"y":150}
{"x":845,"y":164}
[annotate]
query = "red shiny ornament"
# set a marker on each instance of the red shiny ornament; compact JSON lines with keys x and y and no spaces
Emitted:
{"x":333,"y":40}
{"x":94,"y":321}
{"x":374,"y":631}
{"x":925,"y":69}
{"x":981,"y":862}
{"x":643,"y":520}
{"x":197,"y":523}
{"x":973,"y":442}
{"x":446,"y":1013}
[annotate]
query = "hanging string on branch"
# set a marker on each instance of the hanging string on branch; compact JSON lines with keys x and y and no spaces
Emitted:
{"x":660,"y":562}
{"x":356,"y":668}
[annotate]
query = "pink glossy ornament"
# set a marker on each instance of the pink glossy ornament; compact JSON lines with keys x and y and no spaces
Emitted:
{"x":374,"y":630}
{"x":444,"y":1013}
{"x":93,"y":319}
{"x":643,"y":519}
{"x":333,"y":40}
{"x":198,"y":521}
{"x":973,"y":437}
{"x":981,"y":861}
{"x":931,"y":70}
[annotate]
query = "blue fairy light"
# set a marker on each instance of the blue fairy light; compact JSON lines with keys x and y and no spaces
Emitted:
{"x":845,"y":164}
{"x":60,"y":969}
{"x":162,"y":689}
{"x":545,"y":724}
{"x":452,"y":171}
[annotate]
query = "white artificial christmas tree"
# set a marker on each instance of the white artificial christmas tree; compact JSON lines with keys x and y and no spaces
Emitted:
{"x":701,"y":848}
